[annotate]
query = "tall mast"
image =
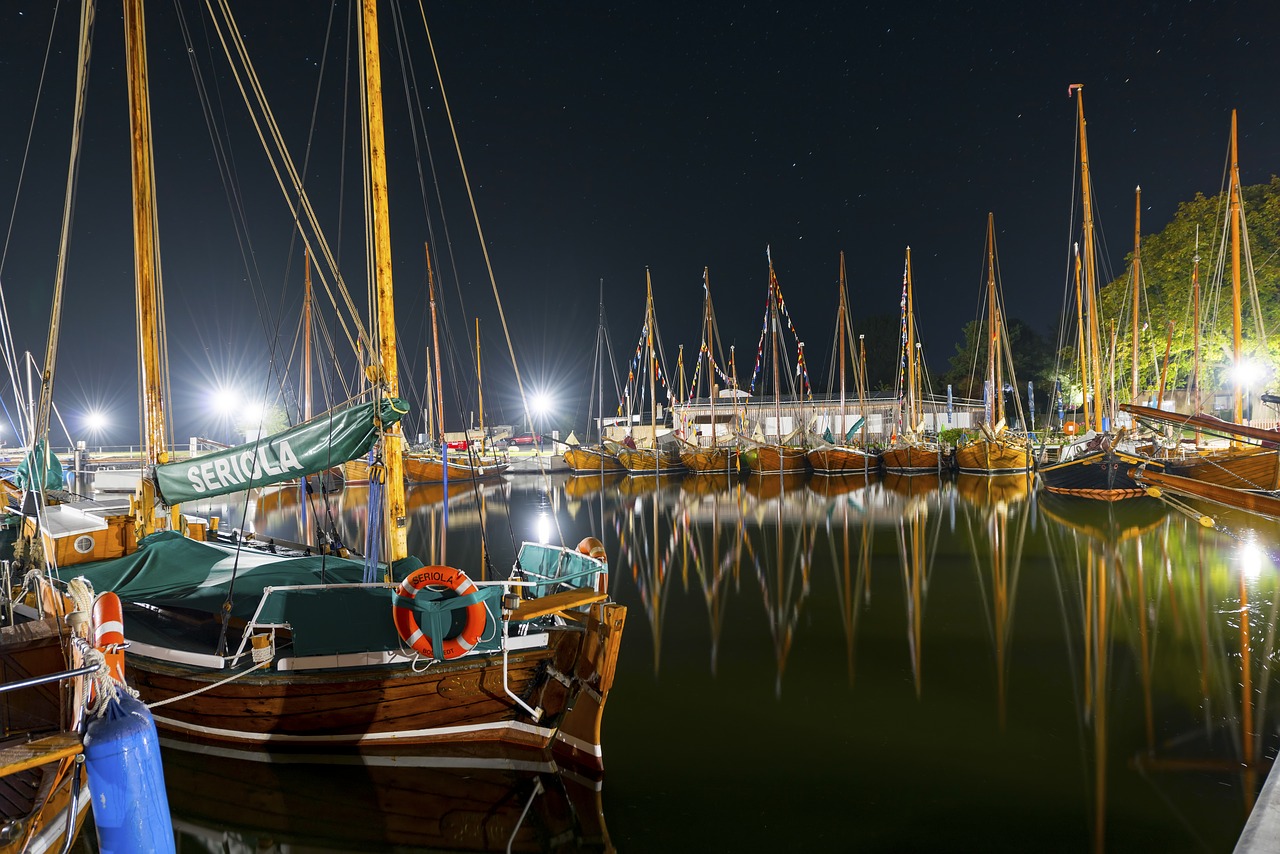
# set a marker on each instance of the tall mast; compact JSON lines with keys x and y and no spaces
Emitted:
{"x":1137,"y":266}
{"x":1082,"y":343}
{"x":479,"y":387}
{"x":840,"y":334}
{"x":911,"y":351}
{"x":1235,"y":275}
{"x":1090,"y":265}
{"x":773,"y":333}
{"x":146,"y":277}
{"x":709,"y":336}
{"x":306,"y":338}
{"x":653,"y":365}
{"x":438,"y":400}
{"x":1192,"y":386}
{"x":389,"y":373}
{"x":993,"y":327}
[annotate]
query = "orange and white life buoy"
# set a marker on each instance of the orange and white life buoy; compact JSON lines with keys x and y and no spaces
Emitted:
{"x":108,"y":632}
{"x":438,"y":579}
{"x":593,"y":548}
{"x":1069,"y":428}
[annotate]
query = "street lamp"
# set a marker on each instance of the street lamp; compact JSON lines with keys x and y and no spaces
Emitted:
{"x":1245,"y":374}
{"x":541,"y":404}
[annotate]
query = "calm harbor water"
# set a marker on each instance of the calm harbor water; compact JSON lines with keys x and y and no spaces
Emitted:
{"x":887,"y":665}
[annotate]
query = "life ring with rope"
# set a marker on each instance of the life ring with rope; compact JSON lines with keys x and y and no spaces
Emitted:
{"x":594,"y":549}
{"x":439,"y":580}
{"x":108,"y":632}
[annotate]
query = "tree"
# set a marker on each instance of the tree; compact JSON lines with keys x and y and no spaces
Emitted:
{"x":1200,"y":227}
{"x":1033,"y":360}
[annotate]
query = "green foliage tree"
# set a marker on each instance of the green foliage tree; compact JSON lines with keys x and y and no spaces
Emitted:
{"x":1200,"y":226}
{"x":1033,"y":361}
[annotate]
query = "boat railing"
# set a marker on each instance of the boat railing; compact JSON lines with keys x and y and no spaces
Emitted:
{"x":256,"y":625}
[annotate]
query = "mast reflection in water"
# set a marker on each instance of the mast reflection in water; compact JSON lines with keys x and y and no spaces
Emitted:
{"x":887,"y":664}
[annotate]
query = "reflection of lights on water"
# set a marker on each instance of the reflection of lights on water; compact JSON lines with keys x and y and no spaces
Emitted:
{"x":544,"y":528}
{"x":1252,"y":560}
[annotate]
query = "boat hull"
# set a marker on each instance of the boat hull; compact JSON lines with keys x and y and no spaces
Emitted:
{"x":588,"y":460}
{"x":912,"y":459}
{"x":649,"y":461}
{"x":1250,"y":469}
{"x":770,"y":459}
{"x":843,"y":460}
{"x":987,"y":457}
{"x":428,"y":470}
{"x":710,"y":460}
{"x":1100,"y":475}
{"x":452,"y":702}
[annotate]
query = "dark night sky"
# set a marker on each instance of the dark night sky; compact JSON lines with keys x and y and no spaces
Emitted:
{"x":601,"y":140}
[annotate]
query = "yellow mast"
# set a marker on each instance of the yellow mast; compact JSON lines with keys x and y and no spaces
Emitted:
{"x":389,"y":373}
{"x":1137,"y":266}
{"x":1090,"y":265}
{"x":911,"y":351}
{"x":840,"y":333}
{"x":479,"y":388}
{"x":653,"y":370}
{"x":993,"y":324}
{"x":438,"y":400}
{"x":773,"y":333}
{"x":146,"y":277}
{"x":709,"y":337}
{"x":306,"y":338}
{"x":1082,"y":343}
{"x":1235,"y":275}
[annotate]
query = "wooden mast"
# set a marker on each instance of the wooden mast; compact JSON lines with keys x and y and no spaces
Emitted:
{"x":1235,"y":276}
{"x":438,"y":400}
{"x":709,"y":336}
{"x":306,"y":337}
{"x":146,"y":278}
{"x":1090,"y":268}
{"x":993,"y":328}
{"x":479,"y":390}
{"x":1082,"y":343}
{"x":389,"y":372}
{"x":1137,"y":264}
{"x":773,"y":337}
{"x":911,"y":351}
{"x":840,"y":334}
{"x":653,"y":367}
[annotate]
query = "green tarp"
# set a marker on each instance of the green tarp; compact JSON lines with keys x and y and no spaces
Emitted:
{"x":171,"y":571}
{"x":299,"y":451}
{"x":35,"y":461}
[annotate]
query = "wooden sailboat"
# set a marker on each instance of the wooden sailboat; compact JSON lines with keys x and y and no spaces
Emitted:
{"x":1251,"y":462}
{"x":256,"y":651}
{"x":996,"y":451}
{"x":651,"y":455}
{"x":760,"y":455}
{"x":595,"y":459}
{"x":435,"y":465}
{"x":712,"y":455}
{"x":1096,"y":465}
{"x":909,"y":452}
{"x":843,"y":457}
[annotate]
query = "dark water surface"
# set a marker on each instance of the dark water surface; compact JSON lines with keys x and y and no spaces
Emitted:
{"x":893,"y":665}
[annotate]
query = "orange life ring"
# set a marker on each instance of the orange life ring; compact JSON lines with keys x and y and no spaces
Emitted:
{"x":1069,"y":428}
{"x":593,"y":548}
{"x":439,"y":579}
{"x":108,"y":632}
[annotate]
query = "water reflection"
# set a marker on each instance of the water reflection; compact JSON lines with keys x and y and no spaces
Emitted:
{"x":1101,"y":671}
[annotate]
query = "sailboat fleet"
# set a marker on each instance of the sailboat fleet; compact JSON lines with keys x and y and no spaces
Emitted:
{"x":254,"y":650}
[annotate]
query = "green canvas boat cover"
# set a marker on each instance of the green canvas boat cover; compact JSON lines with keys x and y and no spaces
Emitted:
{"x":320,"y":443}
{"x":172,"y":571}
{"x":35,"y":461}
